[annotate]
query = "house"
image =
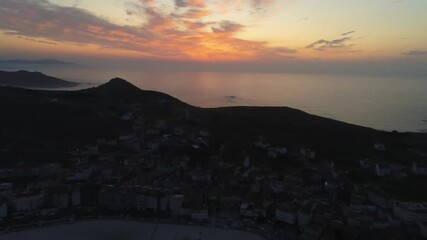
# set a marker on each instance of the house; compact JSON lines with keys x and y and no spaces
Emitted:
{"x":419,"y":168}
{"x":380,"y":199}
{"x":247,"y":162}
{"x":199,"y":214}
{"x":117,"y":198}
{"x":379,"y":147}
{"x":6,"y":189}
{"x":286,"y":213}
{"x":312,"y":232}
{"x":423,"y":228}
{"x":366,"y":164}
{"x":304,"y":217}
{"x":60,"y":198}
{"x":382,"y":169}
{"x":360,"y":204}
{"x":307,"y":153}
{"x":149,"y":200}
{"x":127,"y":116}
{"x":29,"y":201}
{"x":79,"y":176}
{"x":3,"y":208}
{"x":163,"y":201}
{"x":248,"y":210}
{"x":175,"y":203}
{"x":200,"y":176}
{"x":76,"y":197}
{"x":410,"y":212}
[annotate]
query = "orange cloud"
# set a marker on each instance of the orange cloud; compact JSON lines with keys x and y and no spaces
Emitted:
{"x":180,"y":35}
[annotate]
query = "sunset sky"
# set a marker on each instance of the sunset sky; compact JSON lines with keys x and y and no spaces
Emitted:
{"x":217,"y":31}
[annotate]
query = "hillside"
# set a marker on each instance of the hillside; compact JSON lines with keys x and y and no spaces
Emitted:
{"x":73,"y":118}
{"x":25,"y":79}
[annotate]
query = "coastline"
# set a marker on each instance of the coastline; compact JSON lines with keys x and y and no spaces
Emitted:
{"x":160,"y":229}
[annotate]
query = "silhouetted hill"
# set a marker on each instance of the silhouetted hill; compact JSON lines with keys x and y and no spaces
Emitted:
{"x":116,"y":86}
{"x":71,"y":118}
{"x":27,"y":79}
{"x":118,"y":89}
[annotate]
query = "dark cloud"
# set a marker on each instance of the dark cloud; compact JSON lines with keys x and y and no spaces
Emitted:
{"x":348,"y":33}
{"x":322,"y":44}
{"x":190,"y":3}
{"x":415,"y":53}
{"x":37,"y":40}
{"x":261,"y":4}
{"x":227,"y":26}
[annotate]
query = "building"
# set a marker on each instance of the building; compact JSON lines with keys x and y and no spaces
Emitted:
{"x":286,"y":213}
{"x":29,"y":201}
{"x":61,"y":198}
{"x":410,"y":213}
{"x":247,"y":210}
{"x":382,"y":169}
{"x":76,"y":197}
{"x":419,"y":168}
{"x":380,"y":199}
{"x":199,"y":214}
{"x":175,"y":203}
{"x":3,"y":208}
{"x":423,"y":228}
{"x":247,"y":162}
{"x":304,"y":217}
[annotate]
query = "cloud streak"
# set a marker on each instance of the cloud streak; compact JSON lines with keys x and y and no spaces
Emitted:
{"x":323,"y":44}
{"x":181,"y":34}
{"x":416,"y":53}
{"x":347,"y":33}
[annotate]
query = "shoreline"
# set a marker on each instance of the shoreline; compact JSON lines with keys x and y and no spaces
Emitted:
{"x":64,"y":222}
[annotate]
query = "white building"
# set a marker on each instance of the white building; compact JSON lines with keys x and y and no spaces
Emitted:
{"x":379,"y":147}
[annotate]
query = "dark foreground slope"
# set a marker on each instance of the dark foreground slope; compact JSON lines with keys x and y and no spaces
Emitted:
{"x":46,"y":118}
{"x":42,"y":119}
{"x":27,"y":79}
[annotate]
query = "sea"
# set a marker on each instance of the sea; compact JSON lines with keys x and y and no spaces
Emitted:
{"x":381,"y":102}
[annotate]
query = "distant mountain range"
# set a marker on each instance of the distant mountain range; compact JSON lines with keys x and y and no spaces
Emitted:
{"x":25,"y":79}
{"x":34,"y":62}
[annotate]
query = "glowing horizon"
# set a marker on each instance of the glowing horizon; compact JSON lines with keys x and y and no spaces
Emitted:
{"x":215,"y":30}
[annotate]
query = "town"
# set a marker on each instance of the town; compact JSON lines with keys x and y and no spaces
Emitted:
{"x":164,"y":170}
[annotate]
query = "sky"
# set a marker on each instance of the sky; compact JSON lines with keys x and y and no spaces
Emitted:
{"x":385,"y":36}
